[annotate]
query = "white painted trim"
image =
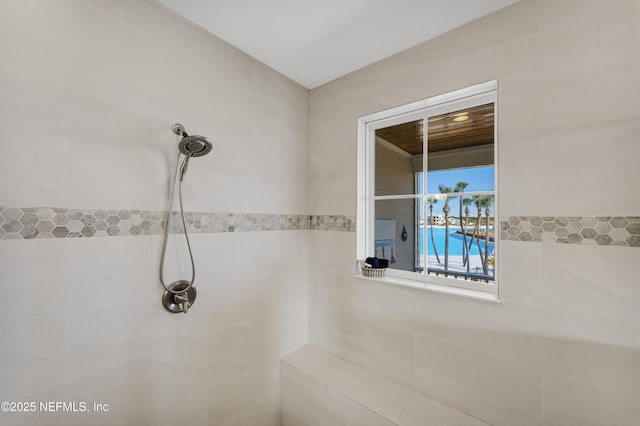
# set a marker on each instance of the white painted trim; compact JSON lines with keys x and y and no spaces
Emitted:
{"x":363,"y":180}
{"x":447,"y":288}
{"x":467,"y":92}
{"x":496,"y":204}
{"x":439,"y":195}
{"x":475,"y":95}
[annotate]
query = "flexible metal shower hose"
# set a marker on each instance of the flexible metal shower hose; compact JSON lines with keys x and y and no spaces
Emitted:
{"x":179,"y":171}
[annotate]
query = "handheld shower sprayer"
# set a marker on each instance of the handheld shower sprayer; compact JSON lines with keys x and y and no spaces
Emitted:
{"x":190,"y":146}
{"x":181,"y":294}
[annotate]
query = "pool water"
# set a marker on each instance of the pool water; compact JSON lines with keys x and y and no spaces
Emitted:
{"x":455,"y":242}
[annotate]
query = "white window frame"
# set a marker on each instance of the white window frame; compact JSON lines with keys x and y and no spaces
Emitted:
{"x":479,"y":94}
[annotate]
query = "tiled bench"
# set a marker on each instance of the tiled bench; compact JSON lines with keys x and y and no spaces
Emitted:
{"x":321,"y":389}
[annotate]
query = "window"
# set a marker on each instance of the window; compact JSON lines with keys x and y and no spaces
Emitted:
{"x":427,"y":192}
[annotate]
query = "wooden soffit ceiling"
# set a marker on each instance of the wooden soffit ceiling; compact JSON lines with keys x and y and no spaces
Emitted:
{"x":444,"y":132}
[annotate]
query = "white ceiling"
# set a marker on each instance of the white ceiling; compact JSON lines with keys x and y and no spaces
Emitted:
{"x":315,"y":41}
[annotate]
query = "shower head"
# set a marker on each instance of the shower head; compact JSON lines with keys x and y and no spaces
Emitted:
{"x":194,"y":146}
{"x":191,"y":146}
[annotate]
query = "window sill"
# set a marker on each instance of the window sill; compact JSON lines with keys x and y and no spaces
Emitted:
{"x":486,"y":296}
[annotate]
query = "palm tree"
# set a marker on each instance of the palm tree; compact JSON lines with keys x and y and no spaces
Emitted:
{"x":460,"y":187}
{"x":483,"y":202}
{"x":432,"y":201}
{"x":467,"y":243}
{"x":477,"y":201}
{"x":446,"y":209}
{"x":487,"y":213}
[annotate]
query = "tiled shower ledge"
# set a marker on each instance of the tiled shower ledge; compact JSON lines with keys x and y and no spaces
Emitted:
{"x":46,"y":222}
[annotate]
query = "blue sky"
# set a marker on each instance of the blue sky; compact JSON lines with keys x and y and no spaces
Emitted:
{"x":478,"y":178}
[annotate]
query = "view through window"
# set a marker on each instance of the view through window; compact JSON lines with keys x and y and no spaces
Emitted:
{"x":431,"y":209}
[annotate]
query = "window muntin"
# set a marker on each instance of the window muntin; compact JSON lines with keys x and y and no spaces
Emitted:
{"x":395,"y":195}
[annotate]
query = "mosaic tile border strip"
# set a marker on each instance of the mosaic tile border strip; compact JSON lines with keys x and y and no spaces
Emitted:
{"x":332,"y":223}
{"x":46,"y":222}
{"x":621,"y":231}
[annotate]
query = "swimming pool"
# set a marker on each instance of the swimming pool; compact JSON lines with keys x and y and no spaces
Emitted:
{"x":455,"y":242}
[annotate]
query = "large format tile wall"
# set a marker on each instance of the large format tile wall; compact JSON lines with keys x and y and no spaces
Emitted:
{"x":86,"y":104}
{"x":563,"y":345}
{"x":88,"y":93}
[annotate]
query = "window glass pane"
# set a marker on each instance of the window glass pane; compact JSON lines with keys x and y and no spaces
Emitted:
{"x":461,"y":139}
{"x":477,"y":179}
{"x":460,"y":245}
{"x":398,"y":157}
{"x":460,"y":238}
{"x":434,"y":192}
{"x":396,"y":227}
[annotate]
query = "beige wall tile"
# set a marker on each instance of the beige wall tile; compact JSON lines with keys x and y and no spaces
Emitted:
{"x":590,"y":279}
{"x":192,"y":407}
{"x":308,"y":402}
{"x":333,"y":250}
{"x":494,"y":389}
{"x":567,"y":95}
{"x":90,"y":89}
{"x":398,"y":404}
{"x":406,"y":407}
{"x":235,"y":392}
{"x":336,"y":373}
{"x":322,"y":326}
{"x":420,"y":311}
{"x":568,"y":75}
{"x":607,"y":365}
{"x":519,"y":266}
{"x":373,"y":344}
{"x":98,"y":52}
{"x":50,"y":46}
{"x":530,"y":333}
{"x":35,"y":168}
{"x":45,"y":289}
{"x":35,"y":353}
{"x":328,"y":287}
{"x":568,"y":401}
{"x":119,"y":386}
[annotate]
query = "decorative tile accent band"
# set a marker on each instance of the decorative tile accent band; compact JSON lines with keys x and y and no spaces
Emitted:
{"x":601,"y":230}
{"x":46,"y":222}
{"x":332,"y":223}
